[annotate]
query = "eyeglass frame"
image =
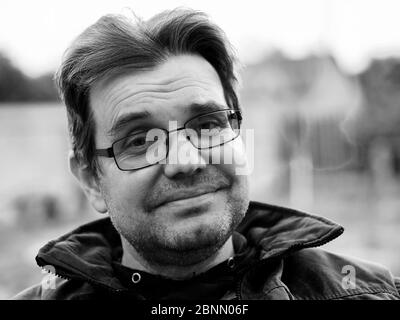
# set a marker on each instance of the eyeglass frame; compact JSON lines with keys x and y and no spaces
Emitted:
{"x":109,"y":152}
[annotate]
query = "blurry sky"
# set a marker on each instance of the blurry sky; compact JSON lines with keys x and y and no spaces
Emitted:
{"x":35,"y":33}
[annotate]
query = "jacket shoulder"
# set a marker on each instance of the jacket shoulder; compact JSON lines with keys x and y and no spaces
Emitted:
{"x":319,"y":274}
{"x":61,"y":289}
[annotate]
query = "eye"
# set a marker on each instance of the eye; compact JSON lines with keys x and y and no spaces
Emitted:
{"x":209,"y":125}
{"x":137,"y":140}
{"x":134,"y":144}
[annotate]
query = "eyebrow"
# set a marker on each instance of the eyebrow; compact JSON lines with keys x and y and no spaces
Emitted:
{"x":126,"y":119}
{"x":199,"y":108}
{"x":194,"y":108}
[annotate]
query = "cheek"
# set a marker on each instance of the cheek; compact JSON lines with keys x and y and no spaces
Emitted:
{"x":231,"y":157}
{"x":127,"y":191}
{"x":239,"y":152}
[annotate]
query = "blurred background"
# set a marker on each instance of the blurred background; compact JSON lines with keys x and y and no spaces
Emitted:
{"x":320,"y":87}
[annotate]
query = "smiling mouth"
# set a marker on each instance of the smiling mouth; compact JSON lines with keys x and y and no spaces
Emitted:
{"x":195,"y":200}
{"x":189,"y":198}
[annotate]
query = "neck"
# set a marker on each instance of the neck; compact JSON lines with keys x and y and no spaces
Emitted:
{"x":132,"y":259}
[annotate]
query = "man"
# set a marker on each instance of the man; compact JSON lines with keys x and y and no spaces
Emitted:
{"x":152,"y":112}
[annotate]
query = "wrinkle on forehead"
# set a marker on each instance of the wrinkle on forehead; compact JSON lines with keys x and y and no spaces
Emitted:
{"x":166,"y":77}
{"x":178,"y":81}
{"x":171,"y":82}
{"x":160,"y":90}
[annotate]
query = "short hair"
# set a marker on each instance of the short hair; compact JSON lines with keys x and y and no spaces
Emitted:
{"x":116,"y":44}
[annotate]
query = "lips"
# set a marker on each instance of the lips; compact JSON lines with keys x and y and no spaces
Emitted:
{"x":185,"y":194}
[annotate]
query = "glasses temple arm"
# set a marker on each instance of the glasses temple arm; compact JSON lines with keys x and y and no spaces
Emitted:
{"x":109,"y":153}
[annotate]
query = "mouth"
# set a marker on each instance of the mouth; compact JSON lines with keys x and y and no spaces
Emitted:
{"x":189,"y":197}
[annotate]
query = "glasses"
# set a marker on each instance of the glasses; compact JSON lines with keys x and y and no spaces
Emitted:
{"x":147,"y":148}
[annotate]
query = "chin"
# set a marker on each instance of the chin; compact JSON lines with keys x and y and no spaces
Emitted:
{"x":190,"y":244}
{"x":199,"y":236}
{"x":195,"y":248}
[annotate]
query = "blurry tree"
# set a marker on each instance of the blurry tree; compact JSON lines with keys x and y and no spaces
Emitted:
{"x":381,"y":86}
{"x":13,"y":83}
{"x":15,"y":86}
{"x":43,"y":88}
{"x":378,"y":119}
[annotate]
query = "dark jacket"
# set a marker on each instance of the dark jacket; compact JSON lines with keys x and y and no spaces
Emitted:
{"x":289,"y":265}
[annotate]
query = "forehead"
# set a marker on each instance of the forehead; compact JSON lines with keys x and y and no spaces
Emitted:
{"x":167,"y":90}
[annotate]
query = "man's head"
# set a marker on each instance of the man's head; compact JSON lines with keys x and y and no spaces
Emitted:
{"x":170,"y":68}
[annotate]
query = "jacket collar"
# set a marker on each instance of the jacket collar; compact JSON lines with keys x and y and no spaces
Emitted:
{"x":87,"y":252}
{"x":277,"y":231}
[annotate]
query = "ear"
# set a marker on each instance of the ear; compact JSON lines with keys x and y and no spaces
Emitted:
{"x":88,"y":182}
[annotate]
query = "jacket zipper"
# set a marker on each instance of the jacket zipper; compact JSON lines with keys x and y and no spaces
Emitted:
{"x":237,"y":291}
{"x":65,"y":277}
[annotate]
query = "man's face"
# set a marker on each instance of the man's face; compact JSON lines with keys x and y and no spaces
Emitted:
{"x":169,"y":210}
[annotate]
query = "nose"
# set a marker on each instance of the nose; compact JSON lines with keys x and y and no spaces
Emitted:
{"x":183,"y":158}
